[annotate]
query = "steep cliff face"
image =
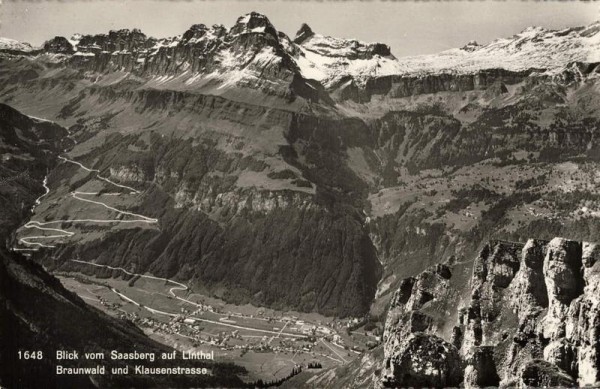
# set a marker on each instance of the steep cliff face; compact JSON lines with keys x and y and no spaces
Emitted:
{"x":28,"y":149}
{"x":414,"y":354}
{"x":529,"y":317}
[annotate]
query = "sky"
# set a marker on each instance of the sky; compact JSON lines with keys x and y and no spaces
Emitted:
{"x":410,"y":28}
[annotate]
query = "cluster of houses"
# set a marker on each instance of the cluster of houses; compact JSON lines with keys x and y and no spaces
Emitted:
{"x":105,"y":303}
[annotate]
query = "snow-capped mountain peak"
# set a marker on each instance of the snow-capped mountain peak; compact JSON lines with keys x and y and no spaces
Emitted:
{"x":329,"y":59}
{"x":255,"y":47}
{"x":7,"y":44}
{"x":253,"y":22}
{"x":304,"y":33}
{"x":339,"y":47}
{"x":533,"y":48}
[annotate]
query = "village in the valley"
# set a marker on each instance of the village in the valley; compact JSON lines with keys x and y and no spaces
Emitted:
{"x":268,"y":343}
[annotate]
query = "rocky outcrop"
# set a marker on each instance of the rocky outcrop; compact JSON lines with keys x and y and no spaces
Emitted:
{"x":480,"y":370}
{"x":583,"y":320}
{"x":542,"y":374}
{"x":414,"y":355}
{"x":235,"y":202}
{"x":128,"y":174}
{"x":530,"y":293}
{"x":564,"y":282}
{"x":404,"y":315}
{"x":422,"y":360}
{"x":531,"y":318}
{"x":397,"y":86}
{"x":59,"y":45}
{"x":493,"y":271}
{"x":304,"y":33}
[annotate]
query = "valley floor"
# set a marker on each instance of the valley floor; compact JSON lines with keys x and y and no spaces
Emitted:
{"x":268,"y":343}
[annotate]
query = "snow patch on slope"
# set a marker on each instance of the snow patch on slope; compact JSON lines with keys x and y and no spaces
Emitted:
{"x":327,"y":59}
{"x":535,"y":47}
{"x":13,"y":45}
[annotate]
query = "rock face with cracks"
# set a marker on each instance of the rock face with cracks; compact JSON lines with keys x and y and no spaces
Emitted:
{"x":529,"y":316}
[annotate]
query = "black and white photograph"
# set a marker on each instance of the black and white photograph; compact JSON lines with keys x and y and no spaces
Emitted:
{"x":290,"y":194}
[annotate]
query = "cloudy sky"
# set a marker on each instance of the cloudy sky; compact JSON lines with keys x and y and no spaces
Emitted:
{"x":410,"y":28}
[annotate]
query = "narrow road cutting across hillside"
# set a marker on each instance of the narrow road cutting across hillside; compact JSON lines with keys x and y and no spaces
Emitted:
{"x":57,"y":233}
{"x":180,"y":286}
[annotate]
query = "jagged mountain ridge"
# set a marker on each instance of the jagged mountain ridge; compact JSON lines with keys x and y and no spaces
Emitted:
{"x":253,"y":51}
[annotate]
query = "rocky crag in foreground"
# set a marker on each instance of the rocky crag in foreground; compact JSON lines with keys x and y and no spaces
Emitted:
{"x":530,"y":317}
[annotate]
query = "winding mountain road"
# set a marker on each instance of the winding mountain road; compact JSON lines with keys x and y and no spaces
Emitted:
{"x":180,"y":286}
{"x":61,"y":233}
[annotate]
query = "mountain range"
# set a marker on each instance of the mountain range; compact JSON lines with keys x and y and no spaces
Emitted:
{"x":253,"y":53}
{"x":318,"y":173}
